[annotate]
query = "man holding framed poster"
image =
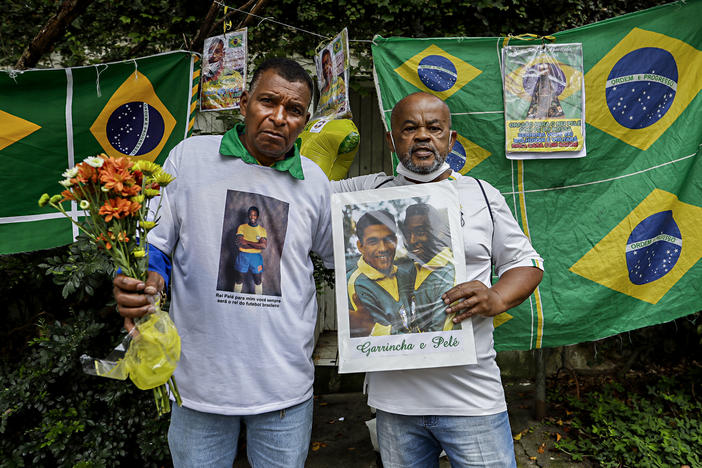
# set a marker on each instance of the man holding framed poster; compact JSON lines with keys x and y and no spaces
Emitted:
{"x":460,"y":409}
{"x":394,"y":287}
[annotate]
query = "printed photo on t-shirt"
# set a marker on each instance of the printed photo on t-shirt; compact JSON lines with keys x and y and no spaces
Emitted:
{"x":253,"y":236}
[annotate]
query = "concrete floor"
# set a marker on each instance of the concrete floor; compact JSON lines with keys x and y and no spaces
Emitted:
{"x":340,"y":436}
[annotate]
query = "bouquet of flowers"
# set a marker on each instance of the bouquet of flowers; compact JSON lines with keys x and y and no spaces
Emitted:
{"x":116,"y":192}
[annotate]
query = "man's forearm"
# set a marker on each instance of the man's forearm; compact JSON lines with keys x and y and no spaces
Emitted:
{"x":515,"y":285}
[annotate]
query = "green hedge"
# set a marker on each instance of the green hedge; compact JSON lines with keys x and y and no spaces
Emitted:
{"x":54,"y":415}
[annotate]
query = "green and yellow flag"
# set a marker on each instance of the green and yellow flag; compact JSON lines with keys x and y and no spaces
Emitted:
{"x":52,"y":119}
{"x":620,"y":229}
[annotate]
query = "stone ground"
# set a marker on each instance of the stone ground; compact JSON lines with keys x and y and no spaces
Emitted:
{"x":340,"y":437}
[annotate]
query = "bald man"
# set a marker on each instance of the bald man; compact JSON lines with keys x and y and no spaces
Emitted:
{"x":459,"y":409}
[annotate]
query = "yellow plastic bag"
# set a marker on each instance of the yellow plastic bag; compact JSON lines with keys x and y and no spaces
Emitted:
{"x":149,"y":354}
{"x":154,"y":352}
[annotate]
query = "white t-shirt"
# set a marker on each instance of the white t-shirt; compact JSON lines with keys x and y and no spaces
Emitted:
{"x":256,"y":357}
{"x":469,"y":390}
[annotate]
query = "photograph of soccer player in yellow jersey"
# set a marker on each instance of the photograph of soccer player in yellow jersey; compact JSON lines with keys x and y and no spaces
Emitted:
{"x":253,"y":236}
{"x":426,"y":235}
{"x":395,"y":283}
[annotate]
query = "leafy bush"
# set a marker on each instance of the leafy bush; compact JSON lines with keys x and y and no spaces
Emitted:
{"x":54,"y":415}
{"x":51,"y":413}
{"x":646,"y":421}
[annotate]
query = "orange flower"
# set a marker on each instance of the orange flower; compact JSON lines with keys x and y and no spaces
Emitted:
{"x":122,"y":236}
{"x":67,"y":195}
{"x":130,"y":190}
{"x":115,"y":174}
{"x":86,"y":174}
{"x":104,"y":240}
{"x":118,"y":208}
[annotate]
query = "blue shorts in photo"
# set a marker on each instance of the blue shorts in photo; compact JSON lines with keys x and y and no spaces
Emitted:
{"x":246,"y":262}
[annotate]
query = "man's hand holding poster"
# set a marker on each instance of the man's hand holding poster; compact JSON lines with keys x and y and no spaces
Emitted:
{"x":396,"y":251}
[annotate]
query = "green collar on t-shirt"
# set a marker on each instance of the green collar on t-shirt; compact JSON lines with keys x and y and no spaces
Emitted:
{"x":232,"y":146}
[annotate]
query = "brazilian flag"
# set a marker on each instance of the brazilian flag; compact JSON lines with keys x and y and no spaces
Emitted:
{"x":53,"y":119}
{"x":620,"y":230}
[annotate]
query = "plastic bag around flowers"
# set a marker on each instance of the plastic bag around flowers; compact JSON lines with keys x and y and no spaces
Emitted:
{"x":149,"y":354}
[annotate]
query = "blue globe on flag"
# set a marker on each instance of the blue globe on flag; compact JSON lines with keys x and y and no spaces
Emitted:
{"x":135,"y":128}
{"x":437,"y":73}
{"x":641,"y":87}
{"x":653,"y":248}
{"x":456,"y":157}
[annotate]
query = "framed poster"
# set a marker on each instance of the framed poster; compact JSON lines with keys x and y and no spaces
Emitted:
{"x":544,"y":97}
{"x":223,"y":71}
{"x":396,"y":251}
{"x":332,"y":66}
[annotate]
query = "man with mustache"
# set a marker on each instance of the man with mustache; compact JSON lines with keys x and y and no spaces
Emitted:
{"x":459,"y":409}
{"x":242,"y":362}
{"x":428,"y":243}
{"x":377,"y":287}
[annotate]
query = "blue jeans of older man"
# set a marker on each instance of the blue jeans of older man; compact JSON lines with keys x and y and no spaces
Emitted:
{"x":469,"y":441}
{"x":275,"y":439}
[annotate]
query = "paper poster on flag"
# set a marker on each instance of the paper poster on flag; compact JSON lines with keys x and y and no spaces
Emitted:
{"x":332,"y":65}
{"x":52,"y":119}
{"x":544,"y":101}
{"x":224,"y":65}
{"x":396,"y":250}
{"x":618,"y":229}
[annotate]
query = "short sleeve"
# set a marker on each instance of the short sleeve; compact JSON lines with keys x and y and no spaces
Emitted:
{"x":322,"y":236}
{"x":364,"y":182}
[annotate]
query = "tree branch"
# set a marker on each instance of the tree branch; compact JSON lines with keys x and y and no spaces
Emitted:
{"x":51,"y":32}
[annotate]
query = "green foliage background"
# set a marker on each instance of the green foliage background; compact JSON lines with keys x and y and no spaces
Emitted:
{"x":122,"y":29}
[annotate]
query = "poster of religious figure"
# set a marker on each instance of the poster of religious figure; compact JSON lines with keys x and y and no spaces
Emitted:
{"x":544,"y":99}
{"x":396,"y":251}
{"x":332,"y":65}
{"x":223,"y":71}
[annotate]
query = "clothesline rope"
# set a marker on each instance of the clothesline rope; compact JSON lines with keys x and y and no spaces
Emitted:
{"x":272,"y":20}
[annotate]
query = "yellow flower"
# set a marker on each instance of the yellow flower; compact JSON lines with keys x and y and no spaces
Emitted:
{"x":55,"y":199}
{"x":137,"y":198}
{"x":44,"y":199}
{"x":151,"y":193}
{"x":163,"y":178}
{"x":138,"y":253}
{"x":148,"y":225}
{"x":84,"y":204}
{"x":147,"y":167}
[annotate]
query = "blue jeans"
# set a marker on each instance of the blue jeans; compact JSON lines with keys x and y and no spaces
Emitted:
{"x":469,"y":441}
{"x":275,"y":439}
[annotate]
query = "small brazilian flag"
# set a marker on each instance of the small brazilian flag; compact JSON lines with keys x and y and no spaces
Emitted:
{"x":620,"y":230}
{"x":52,"y":119}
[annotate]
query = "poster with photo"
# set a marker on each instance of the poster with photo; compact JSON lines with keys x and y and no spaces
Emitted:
{"x":223,"y":75}
{"x":396,"y":251}
{"x":332,"y":64}
{"x":544,"y":99}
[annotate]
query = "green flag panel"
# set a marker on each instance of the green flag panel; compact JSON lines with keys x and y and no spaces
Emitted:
{"x":620,"y":230}
{"x":52,"y":119}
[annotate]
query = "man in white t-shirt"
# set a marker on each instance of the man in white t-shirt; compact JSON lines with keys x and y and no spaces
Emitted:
{"x":246,"y":360}
{"x":459,"y":409}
